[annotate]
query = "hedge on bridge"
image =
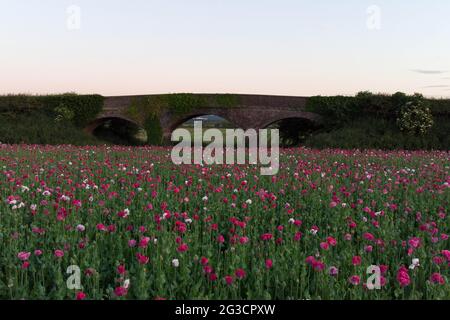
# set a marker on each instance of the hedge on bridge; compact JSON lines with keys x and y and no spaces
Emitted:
{"x":148,"y":109}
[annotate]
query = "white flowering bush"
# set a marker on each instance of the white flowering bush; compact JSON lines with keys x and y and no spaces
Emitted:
{"x":63,"y":113}
{"x":415,"y":118}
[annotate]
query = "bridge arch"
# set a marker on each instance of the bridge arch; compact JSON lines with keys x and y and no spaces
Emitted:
{"x":118,"y":130}
{"x":180,"y":121}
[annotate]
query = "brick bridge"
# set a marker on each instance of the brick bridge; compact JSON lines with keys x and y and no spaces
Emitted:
{"x":251,"y":111}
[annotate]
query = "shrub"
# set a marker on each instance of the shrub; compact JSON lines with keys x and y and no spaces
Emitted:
{"x":63,"y":113}
{"x":335,"y":110}
{"x":80,"y":108}
{"x":415,"y":118}
{"x":84,"y":107}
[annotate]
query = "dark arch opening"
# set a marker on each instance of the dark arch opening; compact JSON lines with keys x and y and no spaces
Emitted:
{"x":209,"y":121}
{"x":118,"y":131}
{"x":294,"y":131}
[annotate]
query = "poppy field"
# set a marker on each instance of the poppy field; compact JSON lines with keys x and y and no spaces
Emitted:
{"x":137,"y":226}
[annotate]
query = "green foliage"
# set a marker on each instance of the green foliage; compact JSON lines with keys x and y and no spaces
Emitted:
{"x":80,"y":108}
{"x":84,"y":107}
{"x":335,"y":110}
{"x":415,"y":118}
{"x":381,"y":133}
{"x":226,"y":100}
{"x":36,"y":127}
{"x":339,"y":110}
{"x":439,"y":106}
{"x":64,"y":113}
{"x":182,"y":103}
{"x":154,"y":131}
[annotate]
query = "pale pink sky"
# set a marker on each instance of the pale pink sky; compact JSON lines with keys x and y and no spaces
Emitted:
{"x":256,"y":46}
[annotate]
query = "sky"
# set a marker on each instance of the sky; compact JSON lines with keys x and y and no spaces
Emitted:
{"x":280,"y":47}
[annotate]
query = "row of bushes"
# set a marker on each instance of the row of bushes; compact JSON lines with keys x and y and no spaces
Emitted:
{"x":339,"y":110}
{"x":77,"y":109}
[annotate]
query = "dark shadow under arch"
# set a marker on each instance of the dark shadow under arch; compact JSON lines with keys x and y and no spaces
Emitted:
{"x":118,"y":130}
{"x":294,"y":130}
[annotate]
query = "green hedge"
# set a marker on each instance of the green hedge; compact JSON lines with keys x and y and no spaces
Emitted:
{"x":85,"y":108}
{"x":338,"y":110}
{"x":37,"y":127}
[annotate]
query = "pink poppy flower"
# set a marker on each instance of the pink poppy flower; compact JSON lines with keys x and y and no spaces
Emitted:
{"x":59,"y":253}
{"x":120,"y":291}
{"x":121,"y":269}
{"x":356,"y":260}
{"x":203,"y":261}
{"x":240,"y":273}
{"x":437,"y":278}
{"x":142,"y":259}
{"x":403,"y":277}
{"x":228,"y":280}
{"x":183,"y":247}
{"x":266,"y":237}
{"x":80,"y":295}
{"x":354,"y":280}
{"x":23,"y":256}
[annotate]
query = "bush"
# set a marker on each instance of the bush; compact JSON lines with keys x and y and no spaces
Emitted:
{"x":339,"y":110}
{"x":84,"y":107}
{"x":64,"y":113}
{"x":335,"y":110}
{"x":415,"y":118}
{"x":80,"y":108}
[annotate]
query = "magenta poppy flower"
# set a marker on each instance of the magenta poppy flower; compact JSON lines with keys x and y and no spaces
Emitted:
{"x":120,"y":291}
{"x":81,"y":295}
{"x":240,"y":273}
{"x":23,"y":256}
{"x":403,"y":277}
{"x":228,"y":280}
{"x":59,"y":253}
{"x":356,"y":260}
{"x":354,"y":280}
